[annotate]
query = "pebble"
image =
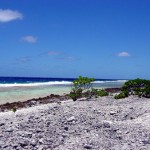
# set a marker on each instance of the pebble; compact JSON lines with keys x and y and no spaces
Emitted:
{"x":112,"y":112}
{"x":66,"y":128}
{"x":1,"y":123}
{"x":23,"y":142}
{"x":71,"y":119}
{"x":107,"y":124}
{"x":33,"y":142}
{"x":87,"y":146}
{"x":9,"y":130}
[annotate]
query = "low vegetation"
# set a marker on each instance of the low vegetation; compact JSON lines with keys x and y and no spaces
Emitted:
{"x":83,"y":87}
{"x":140,"y":87}
{"x":14,"y":109}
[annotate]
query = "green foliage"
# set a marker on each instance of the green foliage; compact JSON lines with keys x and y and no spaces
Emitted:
{"x":121,"y":95}
{"x":82,"y":86}
{"x":140,"y":87}
{"x":75,"y":94}
{"x":87,"y":94}
{"x":14,"y":109}
{"x":84,"y":83}
{"x":147,"y":91}
{"x":102,"y":93}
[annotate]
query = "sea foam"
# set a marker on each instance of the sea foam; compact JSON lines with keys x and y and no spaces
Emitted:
{"x":51,"y":83}
{"x":36,"y":84}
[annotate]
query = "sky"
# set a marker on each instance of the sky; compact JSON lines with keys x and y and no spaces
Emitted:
{"x":105,"y":39}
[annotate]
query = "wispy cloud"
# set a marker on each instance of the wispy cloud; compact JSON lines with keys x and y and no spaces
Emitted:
{"x":29,"y":39}
{"x":25,"y":59}
{"x":58,"y":55}
{"x":61,"y":56}
{"x":123,"y":54}
{"x":7,"y":15}
{"x":50,"y":53}
{"x":68,"y":58}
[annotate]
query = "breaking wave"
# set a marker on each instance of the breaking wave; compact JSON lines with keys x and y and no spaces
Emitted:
{"x":52,"y":83}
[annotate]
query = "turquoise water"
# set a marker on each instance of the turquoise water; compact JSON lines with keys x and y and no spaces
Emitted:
{"x":13,"y":91}
{"x":22,"y":94}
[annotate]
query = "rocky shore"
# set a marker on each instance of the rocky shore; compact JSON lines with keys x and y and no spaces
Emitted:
{"x":97,"y":124}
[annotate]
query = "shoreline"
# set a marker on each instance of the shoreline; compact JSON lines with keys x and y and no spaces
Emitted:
{"x":52,"y":98}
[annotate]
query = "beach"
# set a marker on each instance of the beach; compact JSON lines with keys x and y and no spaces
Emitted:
{"x":98,"y":123}
{"x":15,"y":89}
{"x":74,"y":75}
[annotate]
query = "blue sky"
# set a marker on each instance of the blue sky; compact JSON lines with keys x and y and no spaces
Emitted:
{"x":68,"y":38}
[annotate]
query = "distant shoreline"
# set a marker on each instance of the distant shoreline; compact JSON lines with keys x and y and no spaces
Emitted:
{"x":23,"y":89}
{"x":53,"y":98}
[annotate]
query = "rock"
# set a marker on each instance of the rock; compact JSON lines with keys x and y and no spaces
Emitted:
{"x":87,"y":146}
{"x":9,"y":130}
{"x":23,"y":142}
{"x":71,"y":119}
{"x":1,"y":135}
{"x":32,"y":103}
{"x":146,"y":141}
{"x":2,"y":123}
{"x":66,"y":128}
{"x":97,"y":125}
{"x":48,"y":123}
{"x":39,"y":130}
{"x":107,"y":124}
{"x":2,"y":143}
{"x":41,"y":147}
{"x":25,"y":134}
{"x":112,"y":112}
{"x":41,"y":141}
{"x":33,"y":142}
{"x":14,"y":145}
{"x":64,"y":135}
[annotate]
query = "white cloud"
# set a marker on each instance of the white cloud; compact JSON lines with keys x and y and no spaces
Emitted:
{"x":123,"y":54}
{"x":29,"y":39}
{"x":7,"y":15}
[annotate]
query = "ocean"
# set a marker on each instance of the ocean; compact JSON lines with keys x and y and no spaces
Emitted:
{"x":14,"y":89}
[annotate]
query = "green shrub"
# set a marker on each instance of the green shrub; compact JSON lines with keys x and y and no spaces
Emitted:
{"x":82,"y":86}
{"x":120,"y":95}
{"x":75,"y":94}
{"x":87,"y":94}
{"x":146,"y":92}
{"x":102,"y":93}
{"x":14,"y":109}
{"x":140,"y":87}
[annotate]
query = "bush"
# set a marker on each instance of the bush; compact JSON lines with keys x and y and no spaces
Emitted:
{"x":14,"y":109}
{"x":75,"y":94}
{"x":146,"y":92}
{"x":102,"y":93}
{"x":120,"y":95}
{"x":82,"y":86}
{"x":140,"y":87}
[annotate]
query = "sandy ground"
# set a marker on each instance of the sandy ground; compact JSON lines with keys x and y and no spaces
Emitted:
{"x":98,"y":124}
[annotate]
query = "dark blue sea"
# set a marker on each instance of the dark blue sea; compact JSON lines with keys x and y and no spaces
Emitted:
{"x":23,"y":88}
